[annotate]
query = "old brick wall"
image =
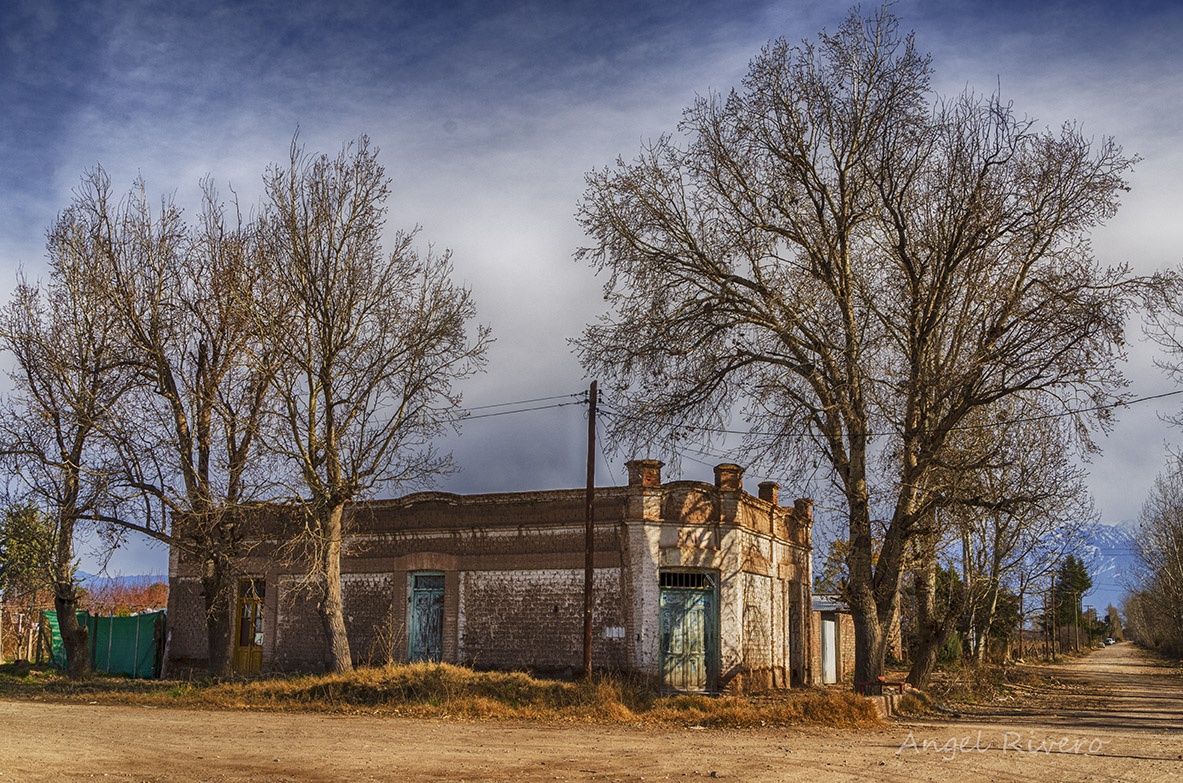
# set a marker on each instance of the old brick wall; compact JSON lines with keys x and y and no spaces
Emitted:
{"x":845,"y":647}
{"x":800,"y":633}
{"x":761,"y":669}
{"x":188,"y":645}
{"x":299,"y":643}
{"x":533,"y":619}
{"x":370,"y":622}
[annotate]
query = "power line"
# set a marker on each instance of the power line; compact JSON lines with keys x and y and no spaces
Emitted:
{"x":603,"y":455}
{"x":521,"y":410}
{"x":959,"y":428}
{"x":527,"y":402}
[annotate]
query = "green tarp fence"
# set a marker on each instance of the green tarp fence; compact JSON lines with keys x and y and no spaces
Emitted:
{"x":118,"y":645}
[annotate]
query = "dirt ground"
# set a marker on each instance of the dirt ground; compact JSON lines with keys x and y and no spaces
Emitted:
{"x":1116,"y":716}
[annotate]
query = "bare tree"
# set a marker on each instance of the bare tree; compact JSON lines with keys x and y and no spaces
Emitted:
{"x":1028,"y":511}
{"x":1012,"y":501}
{"x":367,"y":347}
{"x":1155,"y":609}
{"x":69,"y":376}
{"x":184,"y":299}
{"x":860,"y":266}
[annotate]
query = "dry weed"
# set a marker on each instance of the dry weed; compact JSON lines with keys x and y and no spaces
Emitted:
{"x":430,"y":690}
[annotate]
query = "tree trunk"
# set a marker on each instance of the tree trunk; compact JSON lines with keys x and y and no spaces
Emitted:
{"x":869,"y":647}
{"x":865,"y":597}
{"x":75,"y":636}
{"x":338,"y":657}
{"x":928,"y":651}
{"x":932,"y":630}
{"x":217,"y":589}
{"x":1022,"y":617}
{"x":984,"y":623}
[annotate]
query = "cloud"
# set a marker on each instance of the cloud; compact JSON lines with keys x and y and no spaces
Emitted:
{"x":489,"y":113}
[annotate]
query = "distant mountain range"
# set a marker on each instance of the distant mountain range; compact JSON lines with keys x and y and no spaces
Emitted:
{"x":128,"y":580}
{"x":1109,"y":554}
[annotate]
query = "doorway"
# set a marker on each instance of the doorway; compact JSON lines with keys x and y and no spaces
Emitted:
{"x":425,"y":623}
{"x":829,"y":649}
{"x":689,"y":631}
{"x":248,"y":641}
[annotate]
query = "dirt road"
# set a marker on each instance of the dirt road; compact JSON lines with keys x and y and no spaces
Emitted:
{"x":1119,"y":716}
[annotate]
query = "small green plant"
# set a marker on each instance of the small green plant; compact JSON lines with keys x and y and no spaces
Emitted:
{"x":951,"y":652}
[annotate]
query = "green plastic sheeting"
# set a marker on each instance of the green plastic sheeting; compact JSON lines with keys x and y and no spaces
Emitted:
{"x":118,"y":645}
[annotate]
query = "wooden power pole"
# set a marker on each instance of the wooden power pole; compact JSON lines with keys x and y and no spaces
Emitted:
{"x":589,"y":532}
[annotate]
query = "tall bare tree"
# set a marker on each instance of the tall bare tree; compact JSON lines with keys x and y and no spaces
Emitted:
{"x":184,"y":299}
{"x":1028,"y":511}
{"x":1155,"y":609}
{"x":367,"y":346}
{"x":860,"y":265}
{"x":1011,"y":502}
{"x":68,"y":378}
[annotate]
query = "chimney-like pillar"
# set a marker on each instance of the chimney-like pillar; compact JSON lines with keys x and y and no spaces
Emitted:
{"x":644,"y":472}
{"x":729,"y":477}
{"x":803,"y":510}
{"x":770,"y":491}
{"x":803,"y":517}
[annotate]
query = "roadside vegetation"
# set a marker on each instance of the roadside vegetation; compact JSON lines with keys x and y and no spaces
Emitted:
{"x":964,"y":684}
{"x":445,"y":691}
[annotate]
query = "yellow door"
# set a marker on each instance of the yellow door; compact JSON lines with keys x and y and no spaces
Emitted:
{"x":248,"y":642}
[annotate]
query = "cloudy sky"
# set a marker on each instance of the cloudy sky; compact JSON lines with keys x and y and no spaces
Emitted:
{"x":489,"y":113}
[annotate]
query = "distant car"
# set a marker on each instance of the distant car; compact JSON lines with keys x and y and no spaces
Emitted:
{"x":1110,"y":641}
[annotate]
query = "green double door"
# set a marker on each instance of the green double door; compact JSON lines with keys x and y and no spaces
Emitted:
{"x":689,"y":633}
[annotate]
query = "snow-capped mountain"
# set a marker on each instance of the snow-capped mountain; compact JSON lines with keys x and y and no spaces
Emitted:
{"x":1109,"y":553}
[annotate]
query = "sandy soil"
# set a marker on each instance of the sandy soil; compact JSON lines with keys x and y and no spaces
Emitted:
{"x":1116,"y":715}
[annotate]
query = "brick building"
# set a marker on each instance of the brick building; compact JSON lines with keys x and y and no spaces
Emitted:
{"x":702,"y":586}
{"x":833,"y":654}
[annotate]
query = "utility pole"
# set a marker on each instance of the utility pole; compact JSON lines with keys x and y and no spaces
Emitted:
{"x":1077,"y":598}
{"x":589,"y":531}
{"x":1055,"y":616}
{"x":1022,"y":586}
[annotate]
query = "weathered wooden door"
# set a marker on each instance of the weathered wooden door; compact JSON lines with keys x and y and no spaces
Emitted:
{"x":689,"y":619}
{"x":425,"y":624}
{"x":829,"y":651}
{"x":248,"y":642}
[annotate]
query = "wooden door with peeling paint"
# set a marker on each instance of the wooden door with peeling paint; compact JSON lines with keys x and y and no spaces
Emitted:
{"x":425,"y":623}
{"x":689,"y":636}
{"x":248,"y":643}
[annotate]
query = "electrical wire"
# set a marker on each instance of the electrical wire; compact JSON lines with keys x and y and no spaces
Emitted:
{"x":527,"y":402}
{"x":520,"y":410}
{"x":959,"y":428}
{"x":603,"y":453}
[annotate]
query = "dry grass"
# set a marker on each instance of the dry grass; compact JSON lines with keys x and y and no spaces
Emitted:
{"x":444,"y":691}
{"x":976,"y":683}
{"x":916,"y":704}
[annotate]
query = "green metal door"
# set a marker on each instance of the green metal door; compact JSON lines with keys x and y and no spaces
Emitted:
{"x":426,"y":622}
{"x":689,"y":618}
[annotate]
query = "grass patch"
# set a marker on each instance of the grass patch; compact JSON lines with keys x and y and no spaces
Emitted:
{"x":445,"y":691}
{"x":973,"y":683}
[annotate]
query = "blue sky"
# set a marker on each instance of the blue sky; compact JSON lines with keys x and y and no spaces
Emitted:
{"x":488,"y":114}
